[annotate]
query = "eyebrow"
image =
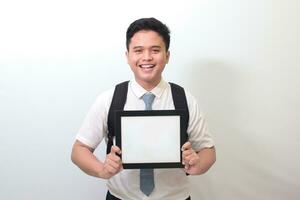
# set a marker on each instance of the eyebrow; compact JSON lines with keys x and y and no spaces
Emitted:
{"x":155,"y":46}
{"x":137,"y":47}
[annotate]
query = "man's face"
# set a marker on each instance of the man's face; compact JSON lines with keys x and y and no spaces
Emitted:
{"x":147,"y":57}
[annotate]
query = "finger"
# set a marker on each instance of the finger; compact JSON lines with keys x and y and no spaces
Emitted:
{"x":191,"y":159}
{"x":115,"y":150}
{"x":187,"y":170}
{"x":186,"y":146}
{"x":194,"y":159}
{"x":186,"y":166}
{"x":187,"y":152}
{"x":113,"y":164}
{"x":191,"y":156}
{"x":114,"y":157}
{"x":111,"y":170}
{"x":185,"y":161}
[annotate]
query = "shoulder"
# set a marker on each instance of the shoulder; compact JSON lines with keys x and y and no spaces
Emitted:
{"x":189,"y":97}
{"x":103,"y":100}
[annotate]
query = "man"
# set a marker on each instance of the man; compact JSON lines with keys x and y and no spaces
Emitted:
{"x":147,"y":54}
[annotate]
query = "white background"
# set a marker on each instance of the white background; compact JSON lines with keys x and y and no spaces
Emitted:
{"x":240,"y":59}
{"x":159,"y":141}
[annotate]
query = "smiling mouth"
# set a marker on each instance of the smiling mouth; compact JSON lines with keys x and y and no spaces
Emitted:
{"x":146,"y":66}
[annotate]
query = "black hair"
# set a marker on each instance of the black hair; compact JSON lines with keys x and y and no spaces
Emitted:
{"x":150,"y":24}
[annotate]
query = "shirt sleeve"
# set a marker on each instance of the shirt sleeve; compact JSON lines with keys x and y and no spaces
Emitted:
{"x":198,"y":132}
{"x":94,"y":127}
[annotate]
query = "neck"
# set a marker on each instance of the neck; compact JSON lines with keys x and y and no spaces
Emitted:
{"x":148,"y":85}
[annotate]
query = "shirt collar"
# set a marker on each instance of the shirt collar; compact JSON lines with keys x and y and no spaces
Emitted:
{"x":139,"y":91}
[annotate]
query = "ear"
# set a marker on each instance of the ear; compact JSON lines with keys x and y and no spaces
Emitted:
{"x":168,"y":56}
{"x":127,"y":56}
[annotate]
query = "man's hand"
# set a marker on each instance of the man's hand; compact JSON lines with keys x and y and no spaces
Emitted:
{"x":197,"y":162}
{"x":190,"y":159}
{"x":84,"y":158}
{"x":112,"y":164}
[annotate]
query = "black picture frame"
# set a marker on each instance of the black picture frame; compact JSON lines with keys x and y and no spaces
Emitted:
{"x":139,"y":120}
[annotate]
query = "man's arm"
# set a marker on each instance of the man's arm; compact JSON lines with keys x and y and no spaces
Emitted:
{"x":197,"y":163}
{"x":83,"y":157}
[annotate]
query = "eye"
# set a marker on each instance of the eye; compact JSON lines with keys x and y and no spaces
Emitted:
{"x":156,"y":50}
{"x":138,"y":51}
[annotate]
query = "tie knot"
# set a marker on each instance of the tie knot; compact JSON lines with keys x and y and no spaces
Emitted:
{"x":148,"y":99}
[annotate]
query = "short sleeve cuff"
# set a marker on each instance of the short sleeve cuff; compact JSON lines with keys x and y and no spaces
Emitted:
{"x":86,"y":142}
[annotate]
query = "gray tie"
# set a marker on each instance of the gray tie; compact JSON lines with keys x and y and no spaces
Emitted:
{"x":147,"y":175}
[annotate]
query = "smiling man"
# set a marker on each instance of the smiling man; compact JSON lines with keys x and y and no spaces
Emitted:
{"x":147,"y":56}
{"x":147,"y":42}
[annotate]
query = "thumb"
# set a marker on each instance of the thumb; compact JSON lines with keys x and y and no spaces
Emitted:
{"x":115,"y":150}
{"x":186,"y":146}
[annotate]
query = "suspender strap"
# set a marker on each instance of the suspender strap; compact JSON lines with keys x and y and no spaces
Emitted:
{"x":118,"y":102}
{"x":180,"y":103}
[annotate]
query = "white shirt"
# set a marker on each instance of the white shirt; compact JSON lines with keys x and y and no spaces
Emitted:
{"x":170,"y":184}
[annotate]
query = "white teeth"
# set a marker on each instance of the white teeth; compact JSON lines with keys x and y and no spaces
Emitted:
{"x":146,"y":66}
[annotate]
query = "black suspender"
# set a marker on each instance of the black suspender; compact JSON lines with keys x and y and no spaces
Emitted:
{"x":119,"y":100}
{"x":180,"y":102}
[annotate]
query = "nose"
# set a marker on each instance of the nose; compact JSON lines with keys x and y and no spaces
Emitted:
{"x":147,"y":55}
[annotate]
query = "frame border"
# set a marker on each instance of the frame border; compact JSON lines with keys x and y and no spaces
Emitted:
{"x":134,"y":113}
